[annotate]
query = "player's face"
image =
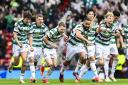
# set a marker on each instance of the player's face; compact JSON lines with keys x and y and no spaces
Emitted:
{"x":90,"y":15}
{"x":62,"y":29}
{"x":110,"y":19}
{"x":39,"y":21}
{"x":27,"y":20}
{"x":116,"y":18}
{"x":87,"y":23}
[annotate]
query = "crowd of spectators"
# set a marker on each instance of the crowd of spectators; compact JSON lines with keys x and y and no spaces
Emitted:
{"x":70,"y":11}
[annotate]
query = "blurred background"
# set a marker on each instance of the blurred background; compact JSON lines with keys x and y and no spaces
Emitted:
{"x":69,"y":11}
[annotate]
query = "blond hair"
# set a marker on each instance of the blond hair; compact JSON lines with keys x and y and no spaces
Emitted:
{"x":109,"y":14}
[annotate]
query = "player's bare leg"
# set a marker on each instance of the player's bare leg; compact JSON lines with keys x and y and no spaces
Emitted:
{"x":14,"y":62}
{"x":32,"y":68}
{"x":92,"y":62}
{"x":82,"y":59}
{"x":23,"y":68}
{"x":114,"y":63}
{"x":63,"y":68}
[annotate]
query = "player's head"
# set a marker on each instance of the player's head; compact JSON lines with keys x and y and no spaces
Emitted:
{"x":27,"y":17}
{"x":61,"y":27}
{"x":87,"y":23}
{"x":90,"y":14}
{"x":109,"y":17}
{"x":116,"y":15}
{"x":39,"y":19}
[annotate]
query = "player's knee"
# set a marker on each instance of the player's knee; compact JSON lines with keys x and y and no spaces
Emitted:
{"x":66,"y":63}
{"x":50,"y":64}
{"x":92,"y":58}
{"x":115,"y":59}
{"x":114,"y":55}
{"x":83,"y":61}
{"x":82,"y":58}
{"x":100,"y":62}
{"x":16,"y":63}
{"x":31,"y":60}
{"x":25,"y":63}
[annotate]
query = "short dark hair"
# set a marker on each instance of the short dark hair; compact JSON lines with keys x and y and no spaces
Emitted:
{"x":62,"y":24}
{"x":27,"y":14}
{"x":86,"y":22}
{"x":39,"y":15}
{"x":89,"y":10}
{"x":116,"y":13}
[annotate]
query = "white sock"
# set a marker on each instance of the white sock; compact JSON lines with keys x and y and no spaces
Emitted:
{"x":78,"y":66}
{"x":22,"y":76}
{"x":113,"y":67}
{"x":93,"y":67}
{"x":32,"y":69}
{"x":99,"y":69}
{"x":106,"y":68}
{"x":63,"y":68}
{"x":83,"y":70}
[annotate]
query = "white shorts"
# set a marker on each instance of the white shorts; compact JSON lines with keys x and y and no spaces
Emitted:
{"x":74,"y":49}
{"x":17,"y":50}
{"x":49,"y":53}
{"x":91,"y":51}
{"x":102,"y":51}
{"x":37,"y":54}
{"x":113,"y":49}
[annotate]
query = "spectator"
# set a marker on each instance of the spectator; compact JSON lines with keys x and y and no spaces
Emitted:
{"x":2,"y":45}
{"x":9,"y":21}
{"x":2,"y":21}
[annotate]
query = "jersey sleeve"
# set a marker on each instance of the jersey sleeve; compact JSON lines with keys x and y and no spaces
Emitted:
{"x":31,"y":29}
{"x":78,"y":27}
{"x":46,"y":29}
{"x":96,"y":25}
{"x":124,"y":31}
{"x":49,"y":34}
{"x":16,"y":27}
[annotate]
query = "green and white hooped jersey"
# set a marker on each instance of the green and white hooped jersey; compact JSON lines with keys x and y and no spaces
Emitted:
{"x":113,"y":38}
{"x":89,"y":34}
{"x":73,"y":39}
{"x":104,"y":37}
{"x":23,"y":31}
{"x":53,"y":35}
{"x":125,"y":30}
{"x":38,"y":34}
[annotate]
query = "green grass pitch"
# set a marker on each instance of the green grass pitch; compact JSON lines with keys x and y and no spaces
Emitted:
{"x":67,"y":82}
